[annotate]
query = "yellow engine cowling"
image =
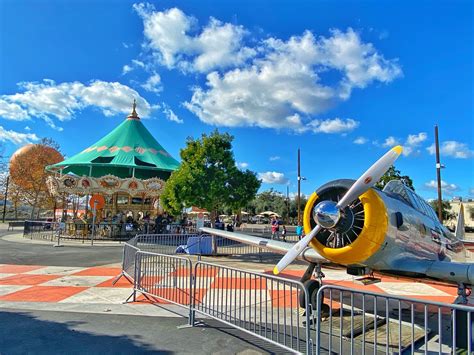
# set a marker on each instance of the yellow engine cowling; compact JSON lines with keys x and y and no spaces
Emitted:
{"x":369,"y":240}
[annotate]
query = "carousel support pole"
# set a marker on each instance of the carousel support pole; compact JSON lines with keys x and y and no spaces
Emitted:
{"x":94,"y":210}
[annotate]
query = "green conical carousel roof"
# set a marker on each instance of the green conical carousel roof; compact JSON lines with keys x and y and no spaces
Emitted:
{"x":128,"y":149}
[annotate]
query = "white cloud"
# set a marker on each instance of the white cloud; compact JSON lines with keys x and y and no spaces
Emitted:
{"x":48,"y":100}
{"x":271,"y":84}
{"x":390,"y":142}
{"x":412,"y":143}
{"x":272,"y":177}
{"x":446,"y":187}
{"x":126,"y":69}
{"x":274,"y":158}
{"x":169,"y":36}
{"x":453,"y":149}
{"x":17,"y":137}
{"x":138,"y":63}
{"x":416,"y":139}
{"x":27,"y":128}
{"x":153,"y":84}
{"x":360,"y":140}
{"x":170,"y":115}
{"x":471,"y":192}
{"x":12,"y":111}
{"x":243,"y":165}
{"x":335,"y":125}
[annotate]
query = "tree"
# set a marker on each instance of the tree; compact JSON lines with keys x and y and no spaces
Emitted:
{"x":27,"y":172}
{"x":394,"y":174}
{"x":445,"y":209}
{"x":270,"y":200}
{"x":208,"y":178}
{"x":294,"y":206}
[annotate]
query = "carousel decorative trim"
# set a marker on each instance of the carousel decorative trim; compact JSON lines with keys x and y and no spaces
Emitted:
{"x":106,"y":185}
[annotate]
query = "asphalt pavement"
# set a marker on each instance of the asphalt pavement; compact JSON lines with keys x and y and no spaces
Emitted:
{"x":39,"y":332}
{"x":24,"y":253}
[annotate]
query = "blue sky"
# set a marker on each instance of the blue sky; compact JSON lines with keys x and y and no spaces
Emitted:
{"x":344,"y":81}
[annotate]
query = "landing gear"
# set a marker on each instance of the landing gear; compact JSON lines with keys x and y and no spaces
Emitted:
{"x":463,"y":294}
{"x":312,"y":286}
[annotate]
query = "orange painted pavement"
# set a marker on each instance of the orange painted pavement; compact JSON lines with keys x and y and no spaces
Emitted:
{"x":43,"y":294}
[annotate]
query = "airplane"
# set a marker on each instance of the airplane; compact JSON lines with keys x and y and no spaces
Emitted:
{"x":391,"y":231}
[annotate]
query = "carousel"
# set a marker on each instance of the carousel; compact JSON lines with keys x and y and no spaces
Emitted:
{"x":121,"y":176}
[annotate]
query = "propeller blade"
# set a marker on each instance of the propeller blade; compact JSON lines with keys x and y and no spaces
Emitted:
{"x":296,"y":250}
{"x":370,"y":177}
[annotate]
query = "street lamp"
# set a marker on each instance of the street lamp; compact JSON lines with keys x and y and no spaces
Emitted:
{"x":299,"y":188}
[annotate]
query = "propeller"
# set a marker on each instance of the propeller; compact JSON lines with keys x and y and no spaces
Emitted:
{"x":330,"y":214}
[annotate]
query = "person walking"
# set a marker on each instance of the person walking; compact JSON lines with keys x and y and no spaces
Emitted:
{"x":275,"y":227}
{"x":283,"y":233}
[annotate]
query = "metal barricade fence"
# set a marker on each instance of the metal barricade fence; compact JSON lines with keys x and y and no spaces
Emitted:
{"x":169,"y":243}
{"x":262,"y":305}
{"x":128,"y":263}
{"x":164,"y":277}
{"x":40,"y":230}
{"x":359,"y":321}
{"x":162,"y":243}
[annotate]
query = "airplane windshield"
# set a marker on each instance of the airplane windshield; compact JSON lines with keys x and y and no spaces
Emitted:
{"x":398,"y":188}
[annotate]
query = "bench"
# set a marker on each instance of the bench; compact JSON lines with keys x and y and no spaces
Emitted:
{"x":14,"y":224}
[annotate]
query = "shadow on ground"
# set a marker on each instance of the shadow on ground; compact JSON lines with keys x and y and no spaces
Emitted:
{"x":47,"y":332}
{"x":24,"y":332}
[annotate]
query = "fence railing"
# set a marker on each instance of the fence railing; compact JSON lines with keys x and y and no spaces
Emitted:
{"x":263,"y":305}
{"x":40,"y":230}
{"x":195,"y":244}
{"x":83,"y":231}
{"x":359,"y":320}
{"x":164,"y":277}
{"x":268,"y":307}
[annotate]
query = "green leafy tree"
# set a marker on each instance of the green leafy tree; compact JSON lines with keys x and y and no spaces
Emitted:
{"x":394,"y":174}
{"x":270,"y":200}
{"x":294,"y":207}
{"x":445,"y":209}
{"x":208,"y":178}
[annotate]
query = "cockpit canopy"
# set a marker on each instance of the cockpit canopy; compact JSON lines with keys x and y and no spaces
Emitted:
{"x":397,"y":189}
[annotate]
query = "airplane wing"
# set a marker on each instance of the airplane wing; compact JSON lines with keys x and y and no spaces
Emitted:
{"x":448,"y":271}
{"x":308,"y":254}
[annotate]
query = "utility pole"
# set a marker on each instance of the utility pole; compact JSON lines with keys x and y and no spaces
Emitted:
{"x":287,"y":204}
{"x":299,"y":188}
{"x":5,"y":199}
{"x":438,"y":175}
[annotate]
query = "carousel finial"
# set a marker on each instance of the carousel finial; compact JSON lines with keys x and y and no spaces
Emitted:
{"x":134,"y":112}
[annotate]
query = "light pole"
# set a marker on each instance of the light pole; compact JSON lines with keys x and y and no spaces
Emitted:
{"x":287,"y":204}
{"x":298,"y":199}
{"x":438,"y":176}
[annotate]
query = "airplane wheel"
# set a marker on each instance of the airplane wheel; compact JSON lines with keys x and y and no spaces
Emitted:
{"x":312,"y":286}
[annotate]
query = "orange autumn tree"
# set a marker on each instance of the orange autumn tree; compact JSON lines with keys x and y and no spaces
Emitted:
{"x":27,"y":172}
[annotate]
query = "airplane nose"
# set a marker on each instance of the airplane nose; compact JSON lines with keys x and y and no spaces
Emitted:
{"x":326,"y":214}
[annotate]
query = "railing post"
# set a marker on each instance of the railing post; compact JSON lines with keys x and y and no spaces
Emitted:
{"x":192,"y":296}
{"x":308,"y":311}
{"x":137,"y":274}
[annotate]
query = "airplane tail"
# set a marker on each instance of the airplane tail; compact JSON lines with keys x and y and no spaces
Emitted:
{"x":460,"y":223}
